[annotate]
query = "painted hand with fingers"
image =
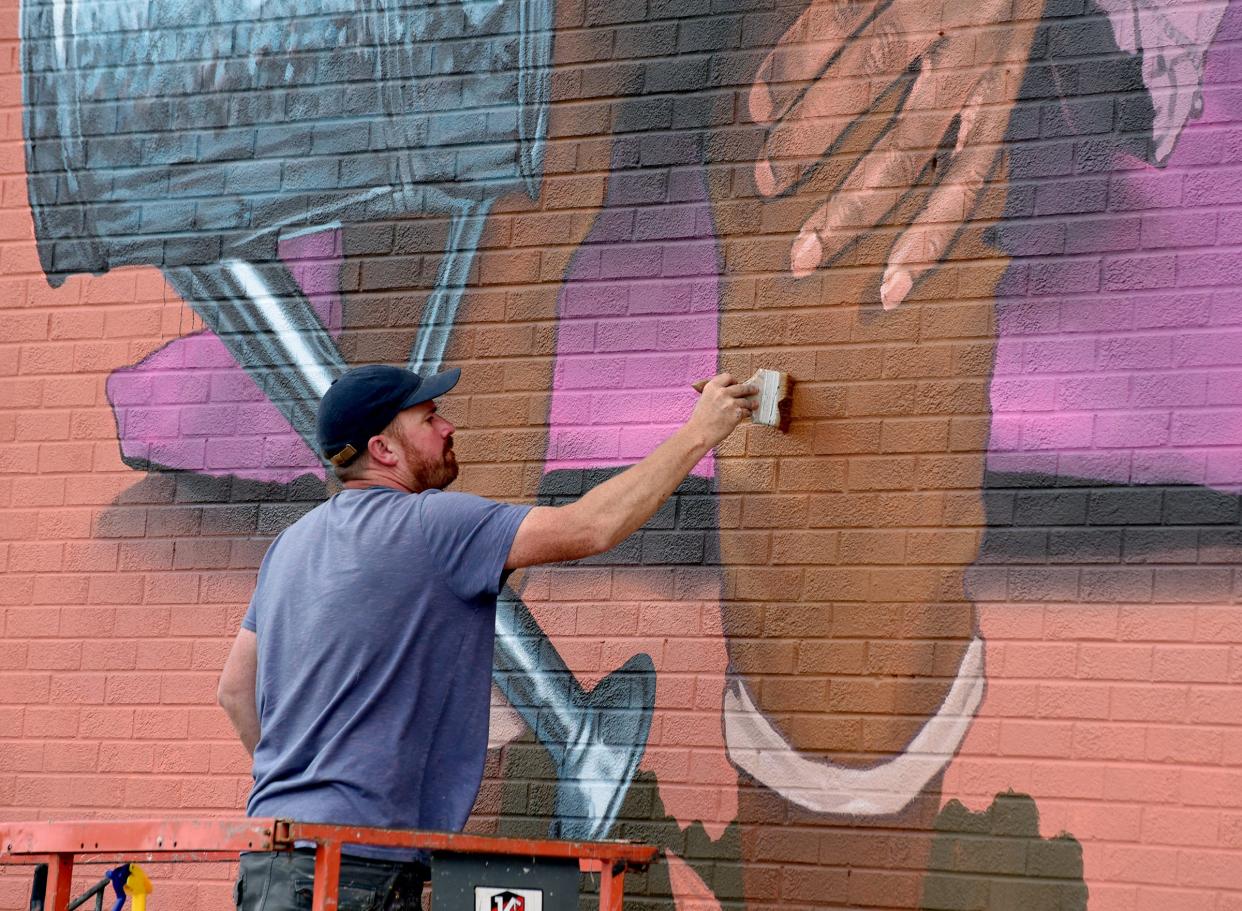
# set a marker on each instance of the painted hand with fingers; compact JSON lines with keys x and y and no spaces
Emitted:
{"x":876,"y":110}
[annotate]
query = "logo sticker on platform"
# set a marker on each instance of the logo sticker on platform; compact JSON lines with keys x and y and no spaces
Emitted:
{"x":492,"y":898}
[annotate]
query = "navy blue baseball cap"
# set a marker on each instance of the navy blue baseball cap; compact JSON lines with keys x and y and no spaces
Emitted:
{"x":363,"y":401}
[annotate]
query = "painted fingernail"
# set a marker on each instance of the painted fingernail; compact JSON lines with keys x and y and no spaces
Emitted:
{"x":806,"y":254}
{"x":895,"y":287}
{"x":765,"y":180}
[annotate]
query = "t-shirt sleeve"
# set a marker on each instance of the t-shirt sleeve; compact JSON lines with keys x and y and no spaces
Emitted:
{"x":250,"y":621}
{"x":469,"y":539}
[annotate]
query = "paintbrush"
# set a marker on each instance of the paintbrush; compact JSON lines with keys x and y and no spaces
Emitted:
{"x":775,"y":393}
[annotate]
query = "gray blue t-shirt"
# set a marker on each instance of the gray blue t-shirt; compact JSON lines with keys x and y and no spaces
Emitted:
{"x":375,"y":618}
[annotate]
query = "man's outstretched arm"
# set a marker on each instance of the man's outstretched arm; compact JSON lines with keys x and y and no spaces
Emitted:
{"x":606,"y":515}
{"x":236,"y":691}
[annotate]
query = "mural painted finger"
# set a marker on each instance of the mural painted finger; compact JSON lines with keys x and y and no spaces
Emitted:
{"x":864,"y":104}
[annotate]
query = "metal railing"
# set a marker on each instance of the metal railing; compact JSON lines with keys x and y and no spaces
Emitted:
{"x":61,"y":845}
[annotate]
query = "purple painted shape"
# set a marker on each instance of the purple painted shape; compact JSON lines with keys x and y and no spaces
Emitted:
{"x":637,"y":323}
{"x":1138,"y":327}
{"x":190,"y":406}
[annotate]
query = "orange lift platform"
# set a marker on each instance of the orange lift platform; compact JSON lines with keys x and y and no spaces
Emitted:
{"x":59,"y":845}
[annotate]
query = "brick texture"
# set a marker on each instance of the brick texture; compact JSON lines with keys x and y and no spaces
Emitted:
{"x":965,"y":637}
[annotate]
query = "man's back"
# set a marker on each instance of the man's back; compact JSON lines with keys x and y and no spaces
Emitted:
{"x":374,"y":617}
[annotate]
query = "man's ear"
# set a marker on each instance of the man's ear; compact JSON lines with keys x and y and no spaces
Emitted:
{"x":381,"y":450}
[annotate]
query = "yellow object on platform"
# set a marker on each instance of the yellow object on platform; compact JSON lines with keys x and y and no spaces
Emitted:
{"x":138,"y":887}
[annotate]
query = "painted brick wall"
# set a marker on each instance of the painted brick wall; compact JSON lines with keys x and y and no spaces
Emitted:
{"x":967,"y":637}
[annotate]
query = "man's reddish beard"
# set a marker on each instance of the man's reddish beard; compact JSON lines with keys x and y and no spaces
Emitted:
{"x":432,"y":473}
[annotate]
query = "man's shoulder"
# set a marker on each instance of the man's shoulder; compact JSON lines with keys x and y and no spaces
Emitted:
{"x":455,"y":502}
{"x":459,"y":513}
{"x":347,"y":507}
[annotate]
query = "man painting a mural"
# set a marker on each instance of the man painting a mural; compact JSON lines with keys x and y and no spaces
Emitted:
{"x":359,"y":681}
{"x":597,"y":206}
{"x":447,"y":133}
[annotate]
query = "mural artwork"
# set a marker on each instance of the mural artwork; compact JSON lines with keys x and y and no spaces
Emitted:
{"x":965,"y":637}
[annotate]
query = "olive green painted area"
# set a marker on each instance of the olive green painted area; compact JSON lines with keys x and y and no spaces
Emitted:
{"x":997,"y":861}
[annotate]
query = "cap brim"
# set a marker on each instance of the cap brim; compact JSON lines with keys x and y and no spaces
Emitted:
{"x":433,"y":387}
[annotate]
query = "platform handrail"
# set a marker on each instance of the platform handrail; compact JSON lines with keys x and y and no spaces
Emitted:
{"x":61,"y":844}
{"x":274,"y":834}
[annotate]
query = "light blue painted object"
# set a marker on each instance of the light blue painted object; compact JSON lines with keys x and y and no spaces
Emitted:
{"x":189,"y":135}
{"x":595,"y":739}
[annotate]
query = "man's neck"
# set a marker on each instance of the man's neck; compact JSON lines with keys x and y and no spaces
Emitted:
{"x":377,"y":479}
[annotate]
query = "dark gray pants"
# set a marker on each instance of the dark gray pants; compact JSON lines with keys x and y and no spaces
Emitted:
{"x":285,"y":881}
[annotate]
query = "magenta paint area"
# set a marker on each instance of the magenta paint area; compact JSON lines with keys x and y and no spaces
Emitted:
{"x":1119,"y":351}
{"x":189,"y":406}
{"x":637,"y":323}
